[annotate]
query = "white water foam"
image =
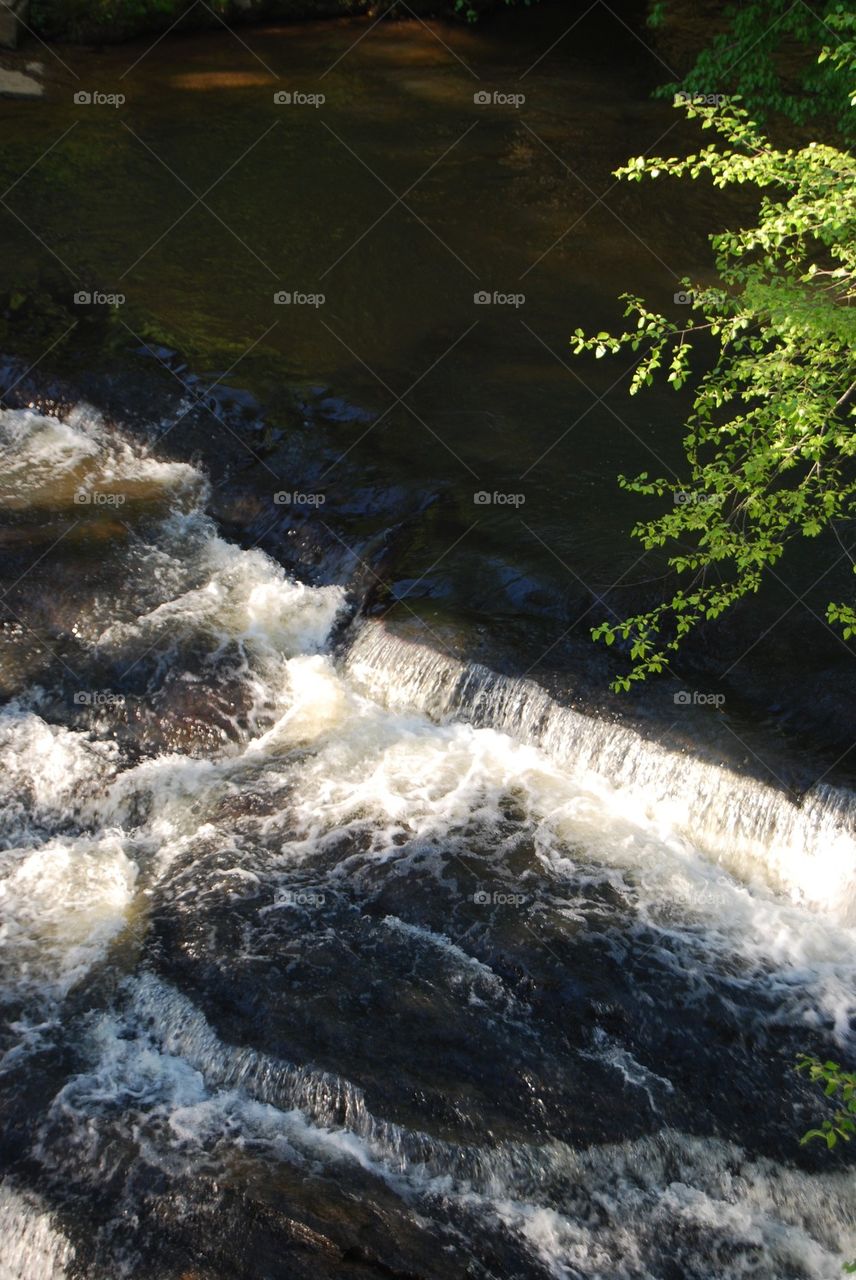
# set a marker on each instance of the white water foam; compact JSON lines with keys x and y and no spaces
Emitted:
{"x":205,"y":585}
{"x":49,"y":775}
{"x":402,"y":785}
{"x":61,"y":905}
{"x":46,"y":462}
{"x":33,"y":1248}
{"x":605,"y":1213}
{"x":757,"y":832}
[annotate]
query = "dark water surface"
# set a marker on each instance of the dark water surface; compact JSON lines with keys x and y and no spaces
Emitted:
{"x":499,"y":198}
{"x":324,"y":950}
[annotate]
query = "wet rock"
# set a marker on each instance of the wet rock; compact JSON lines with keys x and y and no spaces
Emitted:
{"x":182,"y":717}
{"x":233,"y":398}
{"x":335,"y":409}
{"x":155,"y":352}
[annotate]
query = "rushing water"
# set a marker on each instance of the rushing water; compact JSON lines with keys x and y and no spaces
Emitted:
{"x":324,"y":952}
{"x":323,"y":955}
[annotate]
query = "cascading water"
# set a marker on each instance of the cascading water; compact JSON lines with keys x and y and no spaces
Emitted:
{"x":382,"y":964}
{"x":757,"y":832}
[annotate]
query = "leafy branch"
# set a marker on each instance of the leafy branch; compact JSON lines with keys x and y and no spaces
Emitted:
{"x":841,"y":1086}
{"x":769,"y":441}
{"x":837,"y":1084}
{"x":767,"y":53}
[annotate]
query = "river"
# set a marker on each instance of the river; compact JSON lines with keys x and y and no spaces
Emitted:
{"x":348,"y":927}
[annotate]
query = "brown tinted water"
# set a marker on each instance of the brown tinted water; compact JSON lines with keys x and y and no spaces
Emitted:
{"x":517,"y":199}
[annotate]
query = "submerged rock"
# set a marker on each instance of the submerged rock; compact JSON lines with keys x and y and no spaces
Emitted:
{"x":14,"y":84}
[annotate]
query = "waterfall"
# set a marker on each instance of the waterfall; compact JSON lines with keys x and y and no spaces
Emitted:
{"x":807,"y":850}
